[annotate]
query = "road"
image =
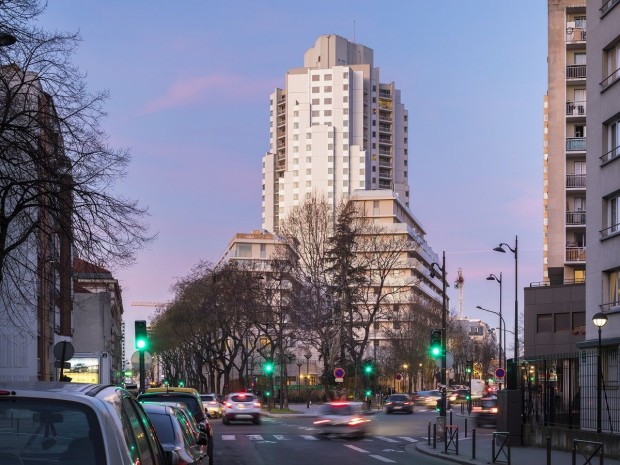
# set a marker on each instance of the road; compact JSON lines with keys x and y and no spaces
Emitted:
{"x":284,"y":441}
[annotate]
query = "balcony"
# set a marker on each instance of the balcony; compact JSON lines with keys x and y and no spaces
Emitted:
{"x":577,"y":218}
{"x":385,"y":128}
{"x":385,"y":93}
{"x":575,"y":181}
{"x":385,"y":140}
{"x":575,"y":71}
{"x":385,"y":116}
{"x":575,"y":34}
{"x":575,"y":254}
{"x":385,"y":163}
{"x":575,"y":144}
{"x":575,"y":108}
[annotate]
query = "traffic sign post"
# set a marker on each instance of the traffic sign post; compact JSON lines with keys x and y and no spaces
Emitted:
{"x":339,"y":375}
{"x":499,"y":375}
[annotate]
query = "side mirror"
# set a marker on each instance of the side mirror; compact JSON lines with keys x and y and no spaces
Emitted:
{"x":203,"y":439}
{"x":202,"y":427}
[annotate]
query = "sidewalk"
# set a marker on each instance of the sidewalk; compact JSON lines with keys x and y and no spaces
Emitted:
{"x":484,"y":450}
{"x":301,"y":410}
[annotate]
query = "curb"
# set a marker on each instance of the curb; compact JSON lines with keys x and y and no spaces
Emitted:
{"x":443,"y":456}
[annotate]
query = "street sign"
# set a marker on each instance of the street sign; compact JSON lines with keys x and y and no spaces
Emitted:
{"x":63,"y":351}
{"x":399,"y":377}
{"x":339,"y":373}
{"x":500,"y":373}
{"x":65,"y":365}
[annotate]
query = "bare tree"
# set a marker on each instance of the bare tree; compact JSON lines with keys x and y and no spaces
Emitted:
{"x":57,"y":171}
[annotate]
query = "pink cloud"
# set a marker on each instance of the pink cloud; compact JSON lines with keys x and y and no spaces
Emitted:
{"x":194,"y":91}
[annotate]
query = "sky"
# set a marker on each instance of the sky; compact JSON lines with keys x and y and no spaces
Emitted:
{"x":189,"y":86}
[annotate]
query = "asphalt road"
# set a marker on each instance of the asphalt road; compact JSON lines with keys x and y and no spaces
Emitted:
{"x":284,"y":441}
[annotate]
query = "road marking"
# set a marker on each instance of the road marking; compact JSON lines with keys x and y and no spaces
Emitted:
{"x":280,"y":437}
{"x":357,"y":448}
{"x":308,"y":437}
{"x":383,"y":438}
{"x":383,"y":459}
{"x":255,"y":437}
{"x":408,"y":439}
{"x":228,"y":437}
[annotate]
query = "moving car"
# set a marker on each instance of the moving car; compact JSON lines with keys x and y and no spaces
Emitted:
{"x":427,"y":398}
{"x":486,"y":414}
{"x":241,"y":406}
{"x":398,"y":403}
{"x":212,"y":404}
{"x":76,"y":423}
{"x":190,"y":398}
{"x":177,"y":433}
{"x":345,"y":419}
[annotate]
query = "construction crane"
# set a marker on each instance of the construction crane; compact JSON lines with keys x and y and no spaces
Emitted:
{"x":460,"y":284}
{"x":149,"y":304}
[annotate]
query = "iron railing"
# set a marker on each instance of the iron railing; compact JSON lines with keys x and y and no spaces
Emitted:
{"x":575,"y":71}
{"x":612,"y":154}
{"x":575,"y":108}
{"x":576,"y":181}
{"x":575,"y":218}
{"x":575,"y":144}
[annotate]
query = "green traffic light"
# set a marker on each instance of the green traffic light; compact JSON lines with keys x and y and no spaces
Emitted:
{"x":368,"y":369}
{"x":141,"y":344}
{"x":368,"y":393}
{"x":435,"y":351}
{"x":268,"y":367}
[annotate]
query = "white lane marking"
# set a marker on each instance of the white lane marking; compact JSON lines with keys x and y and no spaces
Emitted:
{"x":280,"y":437}
{"x":308,"y":437}
{"x":357,"y":448}
{"x":255,"y":437}
{"x":383,"y":459}
{"x":383,"y":438}
{"x":408,"y":439}
{"x":228,"y":437}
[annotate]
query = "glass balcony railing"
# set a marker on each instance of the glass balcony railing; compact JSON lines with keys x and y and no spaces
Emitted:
{"x":575,"y":144}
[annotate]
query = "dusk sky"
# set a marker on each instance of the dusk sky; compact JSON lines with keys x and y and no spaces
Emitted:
{"x":189,"y":87}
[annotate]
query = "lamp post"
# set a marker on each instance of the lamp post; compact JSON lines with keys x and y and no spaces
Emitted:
{"x":501,"y":321}
{"x":444,"y":312}
{"x":308,"y":355}
{"x":421,"y":377}
{"x":599,"y":321}
{"x":299,"y":364}
{"x":512,"y":380}
{"x":492,"y":277}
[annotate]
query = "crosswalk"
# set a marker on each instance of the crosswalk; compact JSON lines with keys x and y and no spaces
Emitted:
{"x":309,"y":437}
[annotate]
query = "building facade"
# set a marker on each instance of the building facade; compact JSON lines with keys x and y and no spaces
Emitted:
{"x":334,"y":128}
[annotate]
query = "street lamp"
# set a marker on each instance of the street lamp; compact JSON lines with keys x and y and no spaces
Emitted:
{"x":7,"y":39}
{"x":308,"y":355}
{"x":444,"y":312}
{"x":515,"y":251}
{"x":599,"y":321}
{"x":492,"y":277}
{"x":501,"y":321}
{"x":299,"y":364}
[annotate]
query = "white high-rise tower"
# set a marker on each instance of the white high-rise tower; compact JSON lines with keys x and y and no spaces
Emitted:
{"x":334,"y":128}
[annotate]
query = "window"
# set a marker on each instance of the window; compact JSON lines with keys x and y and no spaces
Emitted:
{"x":316,"y":90}
{"x":544,"y":323}
{"x":316,"y":101}
{"x":308,"y":160}
{"x":295,"y":125}
{"x":308,"y":148}
{"x":345,"y":87}
{"x":579,"y":321}
{"x":612,"y":141}
{"x":611,"y":64}
{"x":316,"y":113}
{"x":244,"y":250}
{"x":316,"y":77}
{"x":295,"y":136}
{"x":562,"y":322}
{"x":308,"y":183}
{"x":613,"y":206}
{"x":345,"y":99}
{"x":327,"y":88}
{"x":614,"y":288}
{"x":296,"y":113}
{"x":327,"y":113}
{"x":327,"y":101}
{"x":345,"y":75}
{"x":396,"y":324}
{"x":309,"y":135}
{"x":327,"y":77}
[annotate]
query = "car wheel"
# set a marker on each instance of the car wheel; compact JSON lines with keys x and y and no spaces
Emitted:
{"x":257,"y":421}
{"x":225,"y":420}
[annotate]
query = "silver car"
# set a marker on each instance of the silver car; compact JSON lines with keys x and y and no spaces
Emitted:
{"x":241,"y":406}
{"x":75,"y":423}
{"x":346,"y":419}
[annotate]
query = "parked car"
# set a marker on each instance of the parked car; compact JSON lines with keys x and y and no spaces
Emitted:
{"x":189,"y":397}
{"x":398,"y":403}
{"x":177,"y":433}
{"x":76,"y":423}
{"x":427,"y":398}
{"x":346,"y":419}
{"x":241,"y":406}
{"x":212,"y":404}
{"x":486,"y":413}
{"x":79,"y":368}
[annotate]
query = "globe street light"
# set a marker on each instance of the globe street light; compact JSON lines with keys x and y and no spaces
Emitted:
{"x":501,"y":321}
{"x":599,"y":320}
{"x":492,"y":277}
{"x":444,"y":312}
{"x":308,"y":355}
{"x":515,"y":251}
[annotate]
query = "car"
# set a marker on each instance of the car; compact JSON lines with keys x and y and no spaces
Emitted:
{"x":241,"y":406}
{"x":486,"y":413}
{"x":189,"y":397}
{"x":79,"y":368}
{"x":212,"y":404}
{"x":76,"y":423}
{"x":346,"y":419}
{"x":461,"y":396}
{"x":398,"y":403}
{"x":177,"y":431}
{"x":427,"y":398}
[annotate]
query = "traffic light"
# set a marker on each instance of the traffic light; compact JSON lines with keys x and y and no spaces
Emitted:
{"x":142,"y":340}
{"x":268,"y":367}
{"x":435,"y":346}
{"x":368,"y":368}
{"x":368,"y":392}
{"x":181,"y":383}
{"x":469,"y":367}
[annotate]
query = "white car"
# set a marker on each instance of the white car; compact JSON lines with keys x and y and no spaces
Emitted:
{"x":76,"y":423}
{"x":241,"y":406}
{"x":346,"y":419}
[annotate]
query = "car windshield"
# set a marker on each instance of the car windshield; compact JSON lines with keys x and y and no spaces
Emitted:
{"x":207,"y":397}
{"x":488,"y":403}
{"x":50,"y":430}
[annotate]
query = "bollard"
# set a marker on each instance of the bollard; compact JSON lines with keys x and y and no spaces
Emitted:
{"x":465,"y":426}
{"x":451,"y":417}
{"x":548,"y":450}
{"x":473,"y":443}
{"x":435,"y":436}
{"x":462,"y":409}
{"x":429,"y":433}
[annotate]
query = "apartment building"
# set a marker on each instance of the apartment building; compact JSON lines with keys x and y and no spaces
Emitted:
{"x":334,"y":128}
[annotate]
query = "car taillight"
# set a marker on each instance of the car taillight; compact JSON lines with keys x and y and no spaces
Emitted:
{"x":406,"y":403}
{"x":356,"y":421}
{"x":212,"y":402}
{"x":257,"y":404}
{"x":388,"y":403}
{"x":494,"y":410}
{"x":228,"y":404}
